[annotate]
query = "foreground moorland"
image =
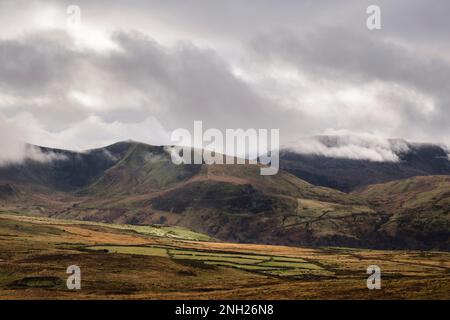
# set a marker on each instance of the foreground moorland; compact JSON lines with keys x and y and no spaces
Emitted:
{"x":154,"y":262}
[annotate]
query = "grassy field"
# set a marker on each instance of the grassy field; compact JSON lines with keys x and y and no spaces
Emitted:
{"x":264,"y":264}
{"x":157,"y":231}
{"x":145,"y":262}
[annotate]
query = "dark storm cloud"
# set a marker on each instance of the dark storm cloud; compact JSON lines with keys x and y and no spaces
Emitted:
{"x":192,"y":83}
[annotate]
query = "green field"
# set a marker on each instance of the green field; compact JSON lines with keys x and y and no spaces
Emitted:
{"x":268,"y":264}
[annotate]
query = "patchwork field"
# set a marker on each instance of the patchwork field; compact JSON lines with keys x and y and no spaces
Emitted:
{"x":154,"y":262}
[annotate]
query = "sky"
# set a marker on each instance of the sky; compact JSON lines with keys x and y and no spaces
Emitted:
{"x":140,"y":69}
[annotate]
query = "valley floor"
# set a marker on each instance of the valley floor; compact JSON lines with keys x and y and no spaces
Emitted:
{"x":136,"y":262}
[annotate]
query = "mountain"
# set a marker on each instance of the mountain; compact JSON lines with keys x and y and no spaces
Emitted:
{"x":418,"y":210}
{"x":135,"y":183}
{"x":141,"y":169}
{"x":70,"y":171}
{"x":347,"y":174}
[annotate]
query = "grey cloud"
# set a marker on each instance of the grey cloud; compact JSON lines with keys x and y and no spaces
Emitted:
{"x":177,"y":85}
{"x":35,"y":63}
{"x":348,"y":56}
{"x":192,"y":83}
{"x":352,"y":55}
{"x":326,"y":42}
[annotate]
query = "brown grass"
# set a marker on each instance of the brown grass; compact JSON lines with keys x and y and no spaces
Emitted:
{"x":45,"y":248}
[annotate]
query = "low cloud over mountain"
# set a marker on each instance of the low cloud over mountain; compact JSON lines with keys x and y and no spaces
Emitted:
{"x":363,"y":147}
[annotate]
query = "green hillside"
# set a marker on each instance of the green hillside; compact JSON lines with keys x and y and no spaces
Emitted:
{"x":143,"y":168}
{"x":418,"y":209}
{"x":141,"y":186}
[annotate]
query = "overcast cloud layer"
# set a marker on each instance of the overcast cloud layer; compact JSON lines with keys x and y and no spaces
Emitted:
{"x":139,"y":69}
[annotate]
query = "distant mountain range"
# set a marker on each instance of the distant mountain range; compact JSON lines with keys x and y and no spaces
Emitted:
{"x":347,"y":174}
{"x":135,"y":183}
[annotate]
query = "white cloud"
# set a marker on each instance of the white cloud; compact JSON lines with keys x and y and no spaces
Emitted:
{"x":354,"y":146}
{"x":15,"y":150}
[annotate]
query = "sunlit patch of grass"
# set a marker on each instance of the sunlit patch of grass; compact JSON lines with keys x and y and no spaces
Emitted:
{"x":216,"y":253}
{"x":247,"y":262}
{"x":250,"y":267}
{"x":137,"y":250}
{"x":298,"y":272}
{"x":9,"y":227}
{"x":291,"y":259}
{"x":290,"y":265}
{"x":157,"y":231}
{"x":218,"y":259}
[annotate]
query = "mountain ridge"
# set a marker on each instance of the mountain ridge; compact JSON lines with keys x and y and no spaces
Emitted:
{"x":346,"y":174}
{"x":136,"y":183}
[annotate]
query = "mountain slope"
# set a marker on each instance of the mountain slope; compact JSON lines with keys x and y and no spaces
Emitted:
{"x":142,"y":168}
{"x":237,"y":204}
{"x":348,"y":174}
{"x":71,"y":170}
{"x":230,"y":202}
{"x":136,"y":183}
{"x":418,"y":209}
